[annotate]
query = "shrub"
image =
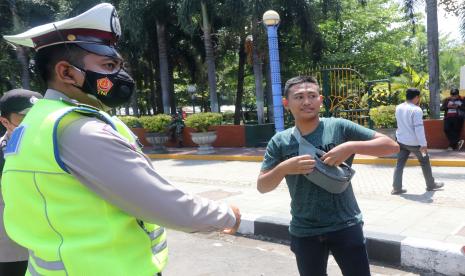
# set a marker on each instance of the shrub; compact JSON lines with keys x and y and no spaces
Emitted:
{"x":157,"y":123}
{"x":131,"y":121}
{"x":201,"y":122}
{"x":384,"y":116}
{"x":228,"y":117}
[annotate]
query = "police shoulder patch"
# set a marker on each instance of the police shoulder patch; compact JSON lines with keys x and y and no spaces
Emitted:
{"x":12,"y":147}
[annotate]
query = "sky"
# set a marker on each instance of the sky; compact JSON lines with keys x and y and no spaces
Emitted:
{"x":448,"y":24}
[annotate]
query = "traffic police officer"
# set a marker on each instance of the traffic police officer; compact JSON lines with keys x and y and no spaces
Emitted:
{"x":79,"y":193}
{"x":14,"y":105}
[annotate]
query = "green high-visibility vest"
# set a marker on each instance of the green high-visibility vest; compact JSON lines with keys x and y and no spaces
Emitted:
{"x":69,"y":229}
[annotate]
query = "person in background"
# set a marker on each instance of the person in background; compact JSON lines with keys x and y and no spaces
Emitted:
{"x":454,"y":111}
{"x":411,"y":138}
{"x":14,"y":105}
{"x":176,"y":127}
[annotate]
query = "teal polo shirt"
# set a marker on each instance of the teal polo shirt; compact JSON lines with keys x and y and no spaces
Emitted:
{"x":314,"y":210}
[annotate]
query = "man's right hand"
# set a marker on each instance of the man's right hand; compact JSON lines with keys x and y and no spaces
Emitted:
{"x":269,"y":180}
{"x":237,"y":214}
{"x":424,"y":151}
{"x":302,"y":164}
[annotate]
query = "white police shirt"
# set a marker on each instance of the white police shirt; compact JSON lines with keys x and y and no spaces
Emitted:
{"x":106,"y":163}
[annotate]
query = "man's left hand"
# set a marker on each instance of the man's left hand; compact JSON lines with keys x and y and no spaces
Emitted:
{"x":338,"y":154}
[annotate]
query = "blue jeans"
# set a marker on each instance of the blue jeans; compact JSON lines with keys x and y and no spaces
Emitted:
{"x":402,"y":157}
{"x":347,"y":247}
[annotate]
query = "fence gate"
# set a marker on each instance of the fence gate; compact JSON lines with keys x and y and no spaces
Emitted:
{"x":346,"y":94}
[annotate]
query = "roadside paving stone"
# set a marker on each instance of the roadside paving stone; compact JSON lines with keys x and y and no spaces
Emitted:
{"x":437,"y":215}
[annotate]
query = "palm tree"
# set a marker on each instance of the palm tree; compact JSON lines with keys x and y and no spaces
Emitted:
{"x":146,"y":36}
{"x":257,"y":8}
{"x":163,"y":59}
{"x":432,"y":34}
{"x":433,"y":56}
{"x":30,"y":12}
{"x":21,"y":53}
{"x":187,"y":10}
{"x":163,"y":12}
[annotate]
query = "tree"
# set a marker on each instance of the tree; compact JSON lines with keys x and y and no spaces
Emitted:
{"x":163,"y":12}
{"x":451,"y":59}
{"x":433,"y":51}
{"x":17,"y":17}
{"x":187,"y":11}
{"x":433,"y":56}
{"x":21,"y":52}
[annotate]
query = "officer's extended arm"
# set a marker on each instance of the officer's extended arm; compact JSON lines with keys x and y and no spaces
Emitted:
{"x":103,"y":161}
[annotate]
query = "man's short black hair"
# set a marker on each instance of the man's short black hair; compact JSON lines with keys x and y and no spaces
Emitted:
{"x":454,"y":92}
{"x":46,"y":58}
{"x":412,"y":93}
{"x":298,"y":80}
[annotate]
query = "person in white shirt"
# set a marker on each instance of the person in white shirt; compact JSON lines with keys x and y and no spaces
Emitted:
{"x":410,"y":136}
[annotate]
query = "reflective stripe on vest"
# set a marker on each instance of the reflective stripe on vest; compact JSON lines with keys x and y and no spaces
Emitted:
{"x":53,"y":265}
{"x":156,"y":233}
{"x":159,"y":247}
{"x":32,"y":270}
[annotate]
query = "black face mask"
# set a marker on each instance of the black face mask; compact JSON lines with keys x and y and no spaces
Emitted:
{"x":111,"y":89}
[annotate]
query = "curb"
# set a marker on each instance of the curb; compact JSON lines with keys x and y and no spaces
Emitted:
{"x":360,"y":160}
{"x":410,"y":162}
{"x":395,"y":250}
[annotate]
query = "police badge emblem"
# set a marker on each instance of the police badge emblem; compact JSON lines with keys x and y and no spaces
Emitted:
{"x":103,"y":86}
{"x":115,"y":26}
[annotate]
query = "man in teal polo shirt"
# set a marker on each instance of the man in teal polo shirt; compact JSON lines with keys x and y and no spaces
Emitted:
{"x":321,"y":221}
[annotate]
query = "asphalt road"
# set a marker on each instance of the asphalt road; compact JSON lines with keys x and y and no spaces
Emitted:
{"x":216,"y":254}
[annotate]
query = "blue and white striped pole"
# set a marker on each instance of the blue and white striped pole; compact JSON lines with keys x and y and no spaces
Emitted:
{"x":271,"y":21}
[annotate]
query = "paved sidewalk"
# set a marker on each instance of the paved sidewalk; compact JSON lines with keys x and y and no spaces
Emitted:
{"x":420,"y":229}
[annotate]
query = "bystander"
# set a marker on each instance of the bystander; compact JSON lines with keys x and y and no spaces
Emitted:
{"x":14,"y":105}
{"x":454,"y":112}
{"x":411,"y":138}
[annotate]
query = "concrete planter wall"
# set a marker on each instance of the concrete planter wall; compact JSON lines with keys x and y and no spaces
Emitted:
{"x":435,"y":136}
{"x":228,"y":136}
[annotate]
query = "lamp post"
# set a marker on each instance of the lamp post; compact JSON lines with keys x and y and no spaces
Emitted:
{"x":191,"y":89}
{"x":271,"y":20}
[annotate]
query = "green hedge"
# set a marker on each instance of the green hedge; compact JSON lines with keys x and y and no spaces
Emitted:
{"x":157,"y":123}
{"x":201,"y":122}
{"x":228,"y":117}
{"x":384,"y":116}
{"x":130,"y":121}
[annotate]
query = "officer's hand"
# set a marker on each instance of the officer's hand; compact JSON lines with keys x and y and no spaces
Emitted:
{"x":302,"y":164}
{"x":237,"y":214}
{"x":337,"y":155}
